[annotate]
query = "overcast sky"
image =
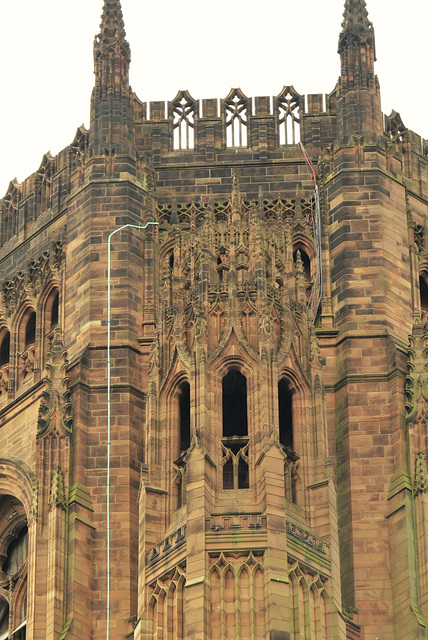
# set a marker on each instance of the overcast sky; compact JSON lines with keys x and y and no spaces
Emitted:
{"x":205,"y":47}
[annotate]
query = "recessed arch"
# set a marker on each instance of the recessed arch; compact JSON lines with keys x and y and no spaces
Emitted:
{"x":4,"y":346}
{"x":423,"y":292}
{"x":184,"y":415}
{"x":234,"y":404}
{"x":18,"y":480}
{"x":30,"y":329}
{"x":285,"y":410}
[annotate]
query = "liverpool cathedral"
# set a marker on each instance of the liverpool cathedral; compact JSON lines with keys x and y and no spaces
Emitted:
{"x":214,"y":366}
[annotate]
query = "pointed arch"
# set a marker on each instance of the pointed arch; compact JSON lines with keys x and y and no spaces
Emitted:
{"x":234,"y":404}
{"x":26,"y":342}
{"x":4,"y":359}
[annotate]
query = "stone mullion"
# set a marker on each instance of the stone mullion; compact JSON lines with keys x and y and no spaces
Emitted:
{"x":237,"y":603}
{"x":56,"y":572}
{"x":252,"y":607}
{"x":31,"y":580}
{"x":223,"y":605}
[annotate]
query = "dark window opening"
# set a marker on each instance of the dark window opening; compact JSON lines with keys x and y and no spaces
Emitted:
{"x":306,"y":264}
{"x":30,"y":330}
{"x":171,"y":261}
{"x":423,"y":290}
{"x":55,"y":311}
{"x":179,"y":487}
{"x":235,"y":421}
{"x":285,"y":401}
{"x":243,"y":475}
{"x":184,"y":408}
{"x":306,"y":269}
{"x":17,"y":553}
{"x":5,"y":349}
{"x":228,"y":475}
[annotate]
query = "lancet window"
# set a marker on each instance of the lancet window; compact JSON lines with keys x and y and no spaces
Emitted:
{"x":183,"y":110}
{"x":235,"y":442}
{"x":236,"y":112}
{"x":285,"y":406}
{"x":4,"y":361}
{"x":287,"y":438}
{"x":183,"y":407}
{"x":27,"y":344}
{"x":306,"y":268}
{"x":51,"y":319}
{"x":423,"y":293}
{"x":184,"y":411}
{"x":289,"y":104}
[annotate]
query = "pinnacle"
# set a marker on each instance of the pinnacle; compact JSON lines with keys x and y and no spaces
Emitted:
{"x":112,"y":25}
{"x":355,"y":20}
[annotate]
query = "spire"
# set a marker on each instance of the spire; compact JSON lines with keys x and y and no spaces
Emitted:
{"x":358,"y":94}
{"x":112,"y":27}
{"x":112,"y":117}
{"x":355,"y":23}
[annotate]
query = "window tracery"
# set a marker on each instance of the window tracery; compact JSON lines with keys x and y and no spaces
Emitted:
{"x":289,"y":105}
{"x":13,"y":564}
{"x":309,"y":603}
{"x":184,"y":112}
{"x":395,"y":127}
{"x":235,"y":441}
{"x":166,"y":605}
{"x":235,"y":577}
{"x":236,"y":111}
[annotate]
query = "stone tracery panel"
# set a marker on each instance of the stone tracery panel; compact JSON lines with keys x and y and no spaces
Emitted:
{"x":309,"y":604}
{"x":237,"y":597}
{"x":166,"y":606}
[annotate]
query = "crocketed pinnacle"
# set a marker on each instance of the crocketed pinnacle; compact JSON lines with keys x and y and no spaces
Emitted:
{"x":112,"y":26}
{"x":355,"y":21}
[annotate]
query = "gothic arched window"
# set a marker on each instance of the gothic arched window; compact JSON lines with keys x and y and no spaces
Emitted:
{"x":27,"y":344}
{"x":4,"y":348}
{"x":30,"y":330}
{"x":235,"y":420}
{"x":184,"y":411}
{"x":306,"y":268}
{"x":285,"y":406}
{"x":235,"y":442}
{"x":423,"y":293}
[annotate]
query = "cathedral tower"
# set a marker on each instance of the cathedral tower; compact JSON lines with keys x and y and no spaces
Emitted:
{"x":268,"y":473}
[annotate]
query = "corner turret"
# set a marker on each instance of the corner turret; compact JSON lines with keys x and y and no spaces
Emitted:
{"x":358,"y":94}
{"x":112,"y":121}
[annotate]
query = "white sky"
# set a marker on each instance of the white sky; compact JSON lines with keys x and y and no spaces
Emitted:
{"x":205,"y":47}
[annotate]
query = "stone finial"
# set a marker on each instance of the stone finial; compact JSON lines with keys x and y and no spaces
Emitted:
{"x":112,"y":27}
{"x":355,"y":21}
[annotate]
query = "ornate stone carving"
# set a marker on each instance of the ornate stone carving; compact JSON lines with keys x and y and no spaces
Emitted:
{"x":421,"y":474}
{"x":57,"y":493}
